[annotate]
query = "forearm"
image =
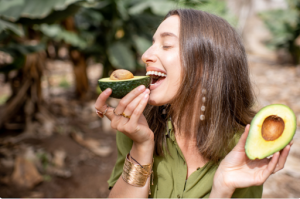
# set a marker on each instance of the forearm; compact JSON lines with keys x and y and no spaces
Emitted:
{"x":123,"y":190}
{"x":143,"y":155}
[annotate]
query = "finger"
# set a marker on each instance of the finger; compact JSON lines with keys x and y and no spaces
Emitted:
{"x":131,"y":107}
{"x":282,"y":159}
{"x":272,"y":165}
{"x":100,"y":104}
{"x":241,"y":144}
{"x":128,"y":98}
{"x":139,"y":109}
{"x":101,"y":100}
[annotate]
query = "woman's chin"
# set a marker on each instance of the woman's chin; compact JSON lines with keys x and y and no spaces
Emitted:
{"x":153,"y":102}
{"x":157,"y":100}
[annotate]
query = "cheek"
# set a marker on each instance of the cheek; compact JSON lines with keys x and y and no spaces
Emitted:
{"x":171,"y":58}
{"x":172,"y":64}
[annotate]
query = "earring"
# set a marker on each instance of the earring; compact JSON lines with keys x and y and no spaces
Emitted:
{"x":202,"y":116}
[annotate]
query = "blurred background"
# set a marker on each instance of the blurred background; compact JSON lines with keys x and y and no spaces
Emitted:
{"x":52,"y":52}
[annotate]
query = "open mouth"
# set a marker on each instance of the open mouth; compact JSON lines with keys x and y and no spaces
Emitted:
{"x":156,"y":77}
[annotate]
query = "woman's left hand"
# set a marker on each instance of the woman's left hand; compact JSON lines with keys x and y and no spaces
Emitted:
{"x":238,"y":171}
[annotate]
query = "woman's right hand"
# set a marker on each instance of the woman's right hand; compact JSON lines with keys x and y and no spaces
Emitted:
{"x":133,"y":105}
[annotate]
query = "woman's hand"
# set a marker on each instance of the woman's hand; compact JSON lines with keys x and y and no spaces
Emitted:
{"x":238,"y":171}
{"x":135,"y":125}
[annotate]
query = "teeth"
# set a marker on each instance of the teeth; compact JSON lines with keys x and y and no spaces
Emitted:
{"x":156,"y":73}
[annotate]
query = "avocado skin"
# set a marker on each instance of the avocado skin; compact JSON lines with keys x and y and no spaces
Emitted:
{"x":267,"y":148}
{"x":122,"y":88}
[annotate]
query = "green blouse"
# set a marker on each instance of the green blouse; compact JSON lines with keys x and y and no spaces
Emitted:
{"x":170,"y":173}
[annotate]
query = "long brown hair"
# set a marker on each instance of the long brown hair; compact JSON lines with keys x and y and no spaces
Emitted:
{"x":212,"y":58}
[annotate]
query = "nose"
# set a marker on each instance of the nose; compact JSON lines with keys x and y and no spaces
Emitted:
{"x":149,"y":56}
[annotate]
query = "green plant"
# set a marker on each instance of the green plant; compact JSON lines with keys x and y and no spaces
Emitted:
{"x":21,"y":38}
{"x":284,"y":25}
{"x":118,"y":32}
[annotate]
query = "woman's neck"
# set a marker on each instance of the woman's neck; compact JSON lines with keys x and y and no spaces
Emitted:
{"x":182,"y":134}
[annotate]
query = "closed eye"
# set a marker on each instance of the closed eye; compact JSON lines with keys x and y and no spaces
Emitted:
{"x":166,"y":47}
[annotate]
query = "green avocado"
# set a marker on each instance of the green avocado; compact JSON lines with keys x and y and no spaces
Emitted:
{"x":121,"y":87}
{"x":272,"y":128}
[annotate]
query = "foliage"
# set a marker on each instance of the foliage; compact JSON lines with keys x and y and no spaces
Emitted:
{"x":118,"y":32}
{"x":286,"y":29}
{"x":15,"y":10}
{"x":18,"y":53}
{"x":17,"y":18}
{"x":58,"y":34}
{"x":216,"y":7}
{"x":115,"y":32}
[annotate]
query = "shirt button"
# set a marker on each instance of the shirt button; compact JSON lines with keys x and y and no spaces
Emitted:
{"x":178,"y":196}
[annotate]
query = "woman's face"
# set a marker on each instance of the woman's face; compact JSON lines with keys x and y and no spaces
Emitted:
{"x":163,"y":62}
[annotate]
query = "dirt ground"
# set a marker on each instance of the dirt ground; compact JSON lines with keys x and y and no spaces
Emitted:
{"x":77,"y":157}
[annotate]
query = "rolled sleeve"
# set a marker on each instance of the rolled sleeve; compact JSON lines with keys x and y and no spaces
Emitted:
{"x":124,"y":145}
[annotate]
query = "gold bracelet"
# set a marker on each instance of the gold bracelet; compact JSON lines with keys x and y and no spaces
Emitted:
{"x":136,"y":174}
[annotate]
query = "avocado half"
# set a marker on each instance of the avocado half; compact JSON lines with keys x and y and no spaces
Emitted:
{"x":272,"y":128}
{"x":120,"y":88}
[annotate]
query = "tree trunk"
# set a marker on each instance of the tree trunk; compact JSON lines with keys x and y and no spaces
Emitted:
{"x":79,"y":64}
{"x":26,"y":98}
{"x":80,"y":74}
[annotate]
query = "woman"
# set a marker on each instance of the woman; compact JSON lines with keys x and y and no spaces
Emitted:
{"x":193,"y":123}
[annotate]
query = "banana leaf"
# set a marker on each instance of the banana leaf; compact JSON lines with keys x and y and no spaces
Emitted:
{"x":18,"y":53}
{"x":17,"y":29}
{"x":32,"y":9}
{"x":120,"y":55}
{"x":58,"y":33}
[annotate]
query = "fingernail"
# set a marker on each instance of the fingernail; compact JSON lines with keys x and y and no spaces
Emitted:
{"x":146,"y":91}
{"x":142,"y":87}
{"x":146,"y":96}
{"x":107,"y":90}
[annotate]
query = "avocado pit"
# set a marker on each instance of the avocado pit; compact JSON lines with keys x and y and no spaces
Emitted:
{"x":121,"y":74}
{"x":272,"y":128}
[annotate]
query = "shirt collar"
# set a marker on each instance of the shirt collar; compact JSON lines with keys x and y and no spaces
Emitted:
{"x":170,"y":130}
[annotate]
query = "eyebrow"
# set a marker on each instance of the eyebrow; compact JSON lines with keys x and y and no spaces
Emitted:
{"x":166,"y":34}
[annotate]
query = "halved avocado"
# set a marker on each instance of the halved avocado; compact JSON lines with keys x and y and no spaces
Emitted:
{"x":272,"y":128}
{"x":120,"y":88}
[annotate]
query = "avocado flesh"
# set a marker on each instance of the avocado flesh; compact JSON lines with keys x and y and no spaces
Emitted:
{"x":120,"y":88}
{"x":258,"y":146}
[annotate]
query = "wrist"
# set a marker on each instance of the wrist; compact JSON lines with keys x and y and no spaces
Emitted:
{"x":220,"y":189}
{"x":221,"y":192}
{"x":143,"y":153}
